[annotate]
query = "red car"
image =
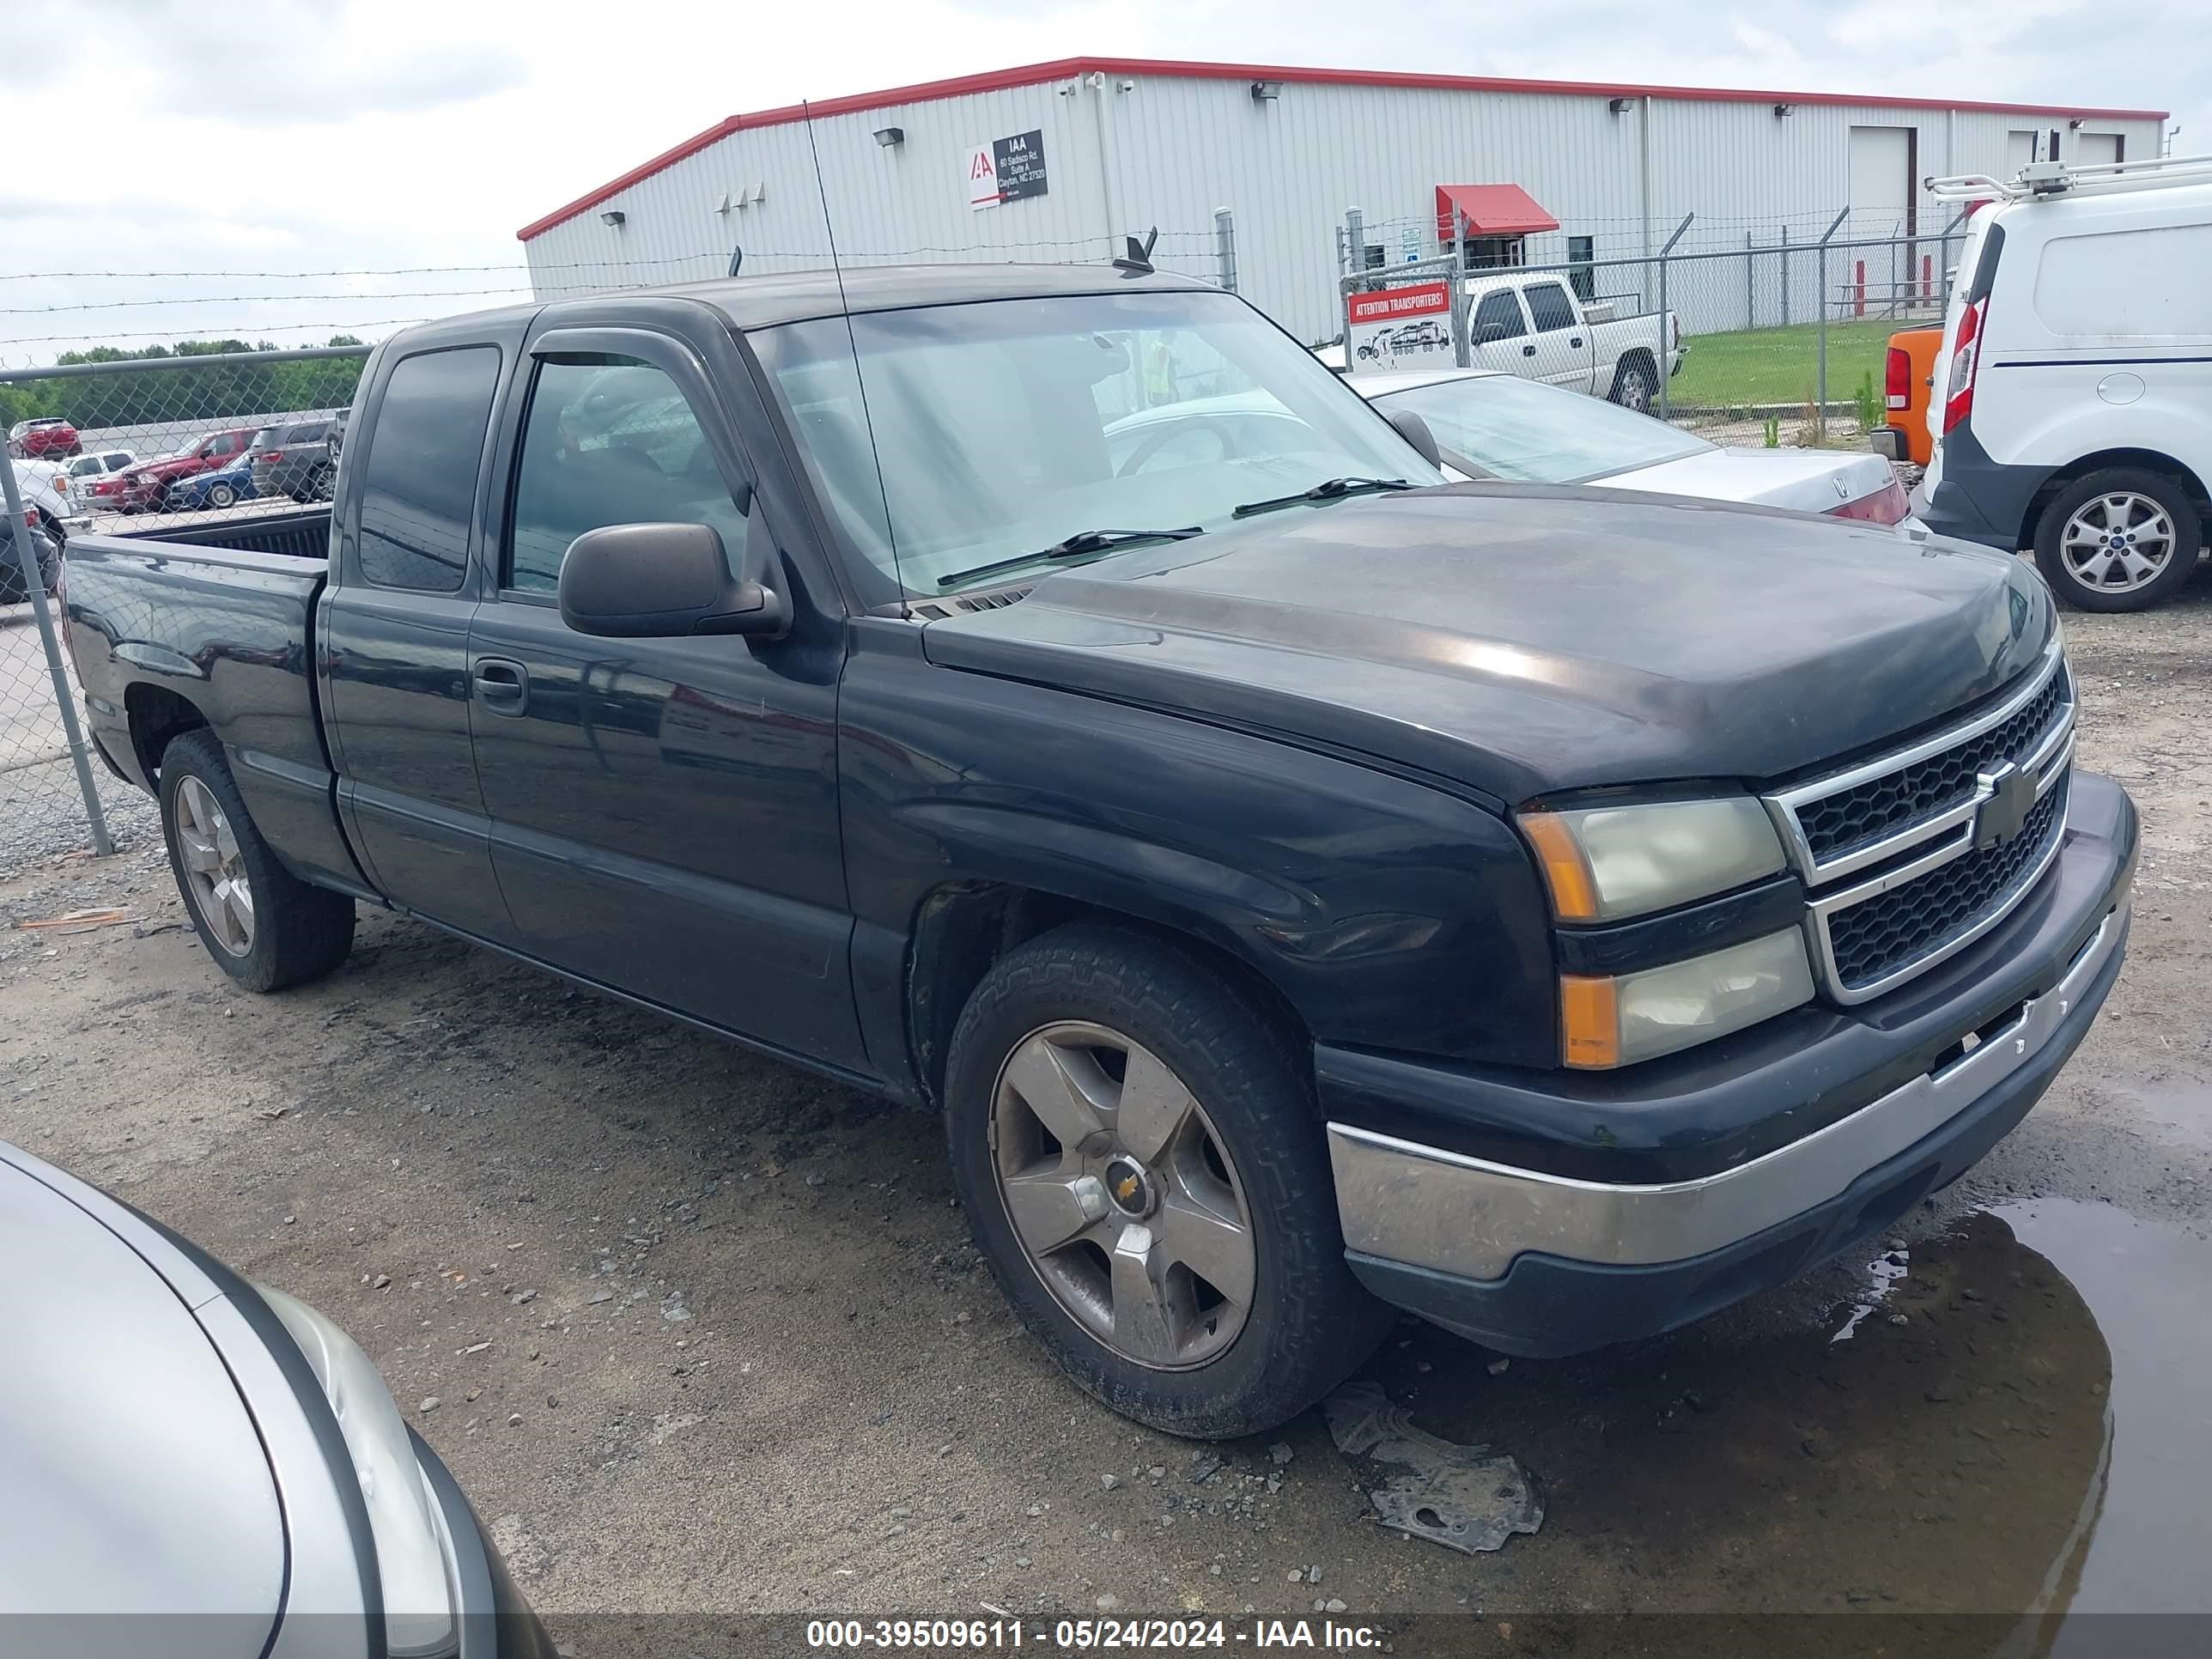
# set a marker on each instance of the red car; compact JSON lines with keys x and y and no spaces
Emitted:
{"x":145,"y":488}
{"x":49,"y":438}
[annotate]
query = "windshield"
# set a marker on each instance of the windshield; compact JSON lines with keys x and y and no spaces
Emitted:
{"x":1538,"y":434}
{"x":1003,"y":428}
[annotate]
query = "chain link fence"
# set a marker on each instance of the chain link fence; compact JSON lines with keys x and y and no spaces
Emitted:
{"x":1773,"y":335}
{"x":107,"y":442}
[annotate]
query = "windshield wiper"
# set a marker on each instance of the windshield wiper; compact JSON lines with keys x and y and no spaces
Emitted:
{"x":1328,"y":489}
{"x":1081,"y":544}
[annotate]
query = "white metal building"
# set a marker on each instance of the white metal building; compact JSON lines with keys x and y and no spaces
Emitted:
{"x":1057,"y":162}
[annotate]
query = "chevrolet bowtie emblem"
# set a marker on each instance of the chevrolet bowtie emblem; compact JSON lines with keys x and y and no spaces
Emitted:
{"x":1126,"y":1188}
{"x":2004,"y":814}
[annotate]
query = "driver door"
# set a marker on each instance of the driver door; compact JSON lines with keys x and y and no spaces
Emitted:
{"x":664,"y":812}
{"x":1497,"y":335}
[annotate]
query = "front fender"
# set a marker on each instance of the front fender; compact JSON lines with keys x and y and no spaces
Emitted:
{"x":1388,"y":913}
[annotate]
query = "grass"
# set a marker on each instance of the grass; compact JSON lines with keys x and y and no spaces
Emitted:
{"x":1778,"y":365}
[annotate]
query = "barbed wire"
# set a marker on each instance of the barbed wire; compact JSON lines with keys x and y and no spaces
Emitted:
{"x":260,"y":300}
{"x":719,"y":253}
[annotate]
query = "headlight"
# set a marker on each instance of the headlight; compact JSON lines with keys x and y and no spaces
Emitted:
{"x":1602,"y":863}
{"x":1617,"y":1021}
{"x":408,"y":1530}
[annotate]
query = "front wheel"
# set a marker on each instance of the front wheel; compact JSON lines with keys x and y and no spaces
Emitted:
{"x":221,"y":495}
{"x":2120,"y":540}
{"x":1633,"y":386}
{"x":264,"y":927}
{"x":1136,"y":1145}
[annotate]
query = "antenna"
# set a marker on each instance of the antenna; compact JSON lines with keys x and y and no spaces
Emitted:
{"x":851,"y":344}
{"x":1138,"y":261}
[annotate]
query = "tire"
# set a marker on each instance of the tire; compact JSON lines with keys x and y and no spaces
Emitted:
{"x":2162,"y":528}
{"x":221,"y":494}
{"x":290,"y":933}
{"x":1633,"y":385}
{"x":1245,"y":1152}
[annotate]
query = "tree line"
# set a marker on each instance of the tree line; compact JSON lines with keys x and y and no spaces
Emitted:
{"x":214,"y":393}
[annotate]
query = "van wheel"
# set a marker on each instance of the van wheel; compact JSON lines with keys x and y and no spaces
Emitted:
{"x":1633,"y":386}
{"x":264,"y":927}
{"x":1137,"y":1148}
{"x":2121,"y":538}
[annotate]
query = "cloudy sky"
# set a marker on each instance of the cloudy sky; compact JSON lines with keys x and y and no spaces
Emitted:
{"x":295,"y":136}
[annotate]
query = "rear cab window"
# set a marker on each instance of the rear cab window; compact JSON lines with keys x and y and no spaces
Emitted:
{"x":1549,"y":307}
{"x":418,"y":487}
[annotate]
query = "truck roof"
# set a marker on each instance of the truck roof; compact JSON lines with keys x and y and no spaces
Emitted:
{"x":791,"y":297}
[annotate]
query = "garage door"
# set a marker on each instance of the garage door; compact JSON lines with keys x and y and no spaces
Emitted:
{"x":2090,"y":148}
{"x":1881,"y":179}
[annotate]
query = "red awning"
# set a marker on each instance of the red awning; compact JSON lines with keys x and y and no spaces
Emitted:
{"x":1490,"y":210}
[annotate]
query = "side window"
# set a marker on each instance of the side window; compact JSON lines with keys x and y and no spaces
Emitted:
{"x":308,"y":432}
{"x":1548,"y":308}
{"x":1499,"y":318}
{"x":609,"y":440}
{"x":420,"y":488}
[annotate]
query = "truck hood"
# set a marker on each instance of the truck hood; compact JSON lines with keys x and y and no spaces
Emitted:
{"x":1523,"y":640}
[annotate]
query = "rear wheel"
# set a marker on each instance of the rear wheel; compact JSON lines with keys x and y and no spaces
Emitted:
{"x":264,"y":927}
{"x":2121,"y":538}
{"x":1138,"y":1151}
{"x":1634,"y":386}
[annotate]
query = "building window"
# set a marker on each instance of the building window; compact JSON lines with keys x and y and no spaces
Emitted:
{"x":1490,"y":253}
{"x":1582,"y":266}
{"x":1373,"y":256}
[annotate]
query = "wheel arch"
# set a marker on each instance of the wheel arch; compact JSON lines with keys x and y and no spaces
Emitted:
{"x":157,"y":716}
{"x":962,"y":929}
{"x":2146,"y":460}
{"x":1634,"y":357}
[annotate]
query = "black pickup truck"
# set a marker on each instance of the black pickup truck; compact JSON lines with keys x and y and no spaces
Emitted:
{"x":1303,"y":885}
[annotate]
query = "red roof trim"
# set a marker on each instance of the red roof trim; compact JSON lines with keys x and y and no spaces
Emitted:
{"x":1068,"y":68}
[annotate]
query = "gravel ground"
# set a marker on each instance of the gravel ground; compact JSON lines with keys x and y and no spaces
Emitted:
{"x":703,"y":1334}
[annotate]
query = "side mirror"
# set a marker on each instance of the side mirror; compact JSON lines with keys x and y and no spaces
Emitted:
{"x":629,"y":581}
{"x":1415,"y":431}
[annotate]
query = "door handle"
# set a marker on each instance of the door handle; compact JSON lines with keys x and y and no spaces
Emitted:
{"x":502,"y":685}
{"x":1528,"y":351}
{"x":1577,"y":343}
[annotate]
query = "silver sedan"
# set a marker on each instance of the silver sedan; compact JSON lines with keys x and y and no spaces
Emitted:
{"x":195,"y":1466}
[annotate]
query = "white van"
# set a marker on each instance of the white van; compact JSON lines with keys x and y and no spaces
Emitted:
{"x":2073,"y":393}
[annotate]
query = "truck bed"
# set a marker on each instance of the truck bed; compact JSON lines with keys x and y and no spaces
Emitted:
{"x":214,"y":624}
{"x":304,"y":535}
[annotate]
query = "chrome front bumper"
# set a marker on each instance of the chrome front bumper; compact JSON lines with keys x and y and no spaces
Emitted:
{"x":1429,"y":1208}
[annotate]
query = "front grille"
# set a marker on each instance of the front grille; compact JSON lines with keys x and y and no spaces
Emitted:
{"x":1851,"y":818}
{"x":1887,"y":934}
{"x":1887,"y":848}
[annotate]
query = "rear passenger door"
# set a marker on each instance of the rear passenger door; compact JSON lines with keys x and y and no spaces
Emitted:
{"x":663,"y":811}
{"x":394,"y":629}
{"x":1562,"y":344}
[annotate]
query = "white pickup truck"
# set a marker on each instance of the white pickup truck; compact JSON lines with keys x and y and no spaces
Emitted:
{"x":1535,"y":326}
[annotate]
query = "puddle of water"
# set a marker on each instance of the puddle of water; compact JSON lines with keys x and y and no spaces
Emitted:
{"x":2179,"y":1108}
{"x":2149,"y":1543}
{"x":2019,"y":1429}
